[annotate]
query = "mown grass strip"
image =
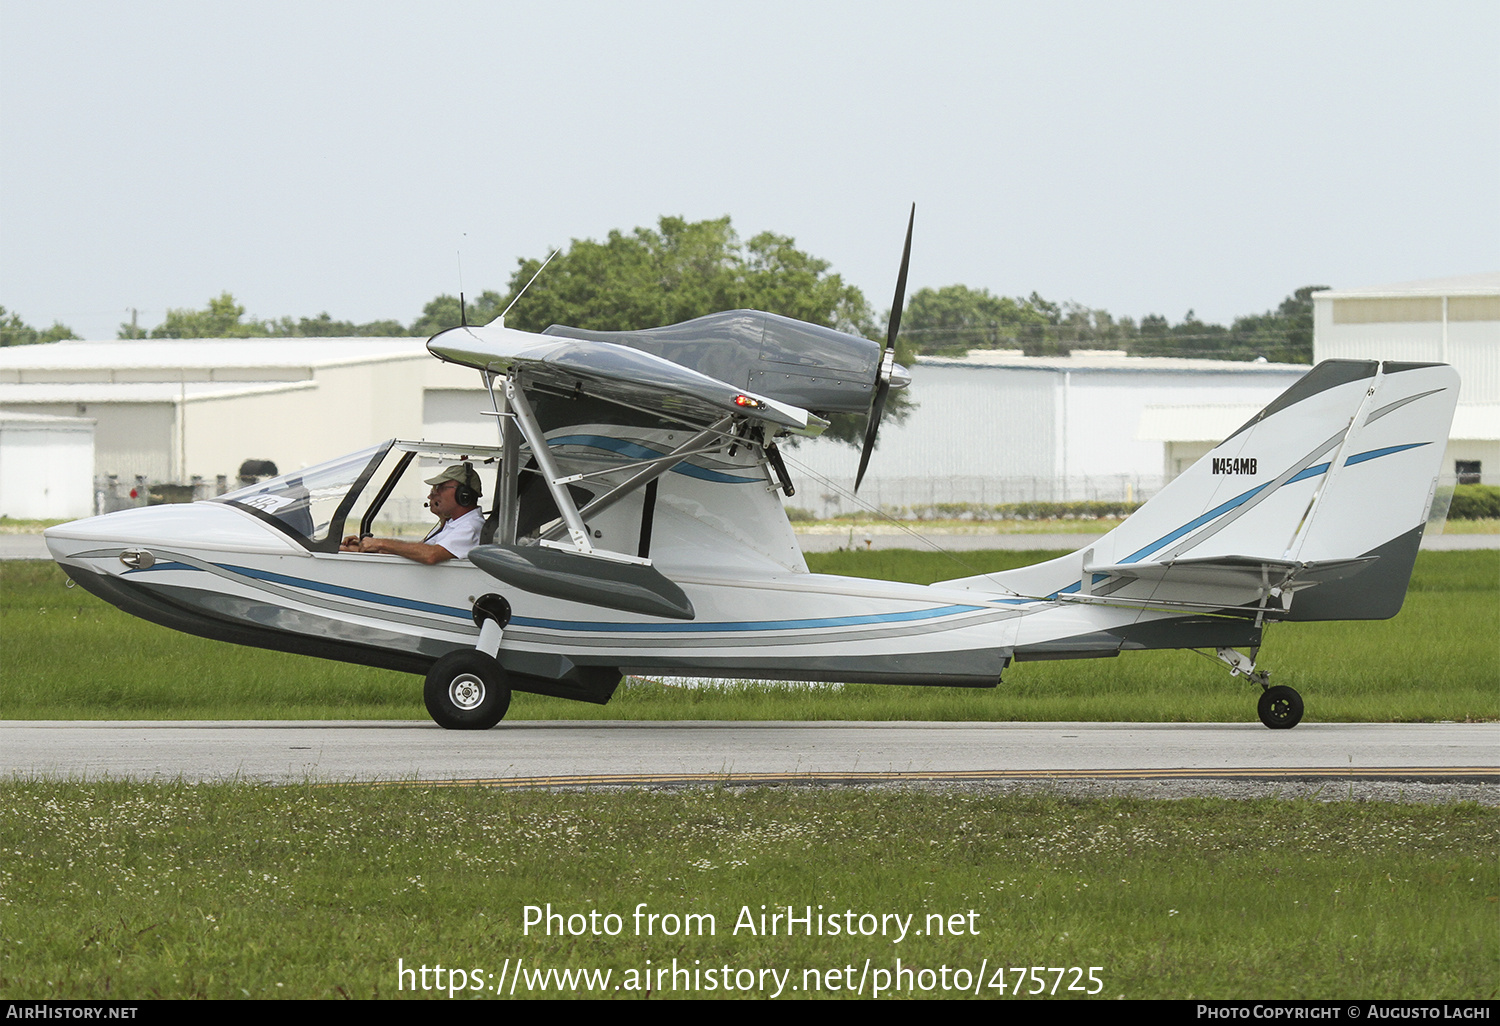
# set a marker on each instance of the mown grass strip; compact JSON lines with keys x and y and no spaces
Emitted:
{"x":115,"y":890}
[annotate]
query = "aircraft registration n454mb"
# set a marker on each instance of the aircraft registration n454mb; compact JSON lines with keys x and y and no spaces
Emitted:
{"x":633,"y":527}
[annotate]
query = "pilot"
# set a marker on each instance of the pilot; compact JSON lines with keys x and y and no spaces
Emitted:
{"x":454,"y":500}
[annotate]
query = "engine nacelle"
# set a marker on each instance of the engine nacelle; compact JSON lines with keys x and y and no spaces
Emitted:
{"x":792,"y":361}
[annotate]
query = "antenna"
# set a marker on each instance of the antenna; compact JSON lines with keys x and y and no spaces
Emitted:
{"x":534,"y":277}
{"x":463,"y":313}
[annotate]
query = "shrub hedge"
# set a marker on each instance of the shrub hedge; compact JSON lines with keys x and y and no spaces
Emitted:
{"x":1475,"y":502}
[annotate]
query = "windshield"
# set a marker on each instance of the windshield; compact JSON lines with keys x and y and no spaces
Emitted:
{"x":311,"y":504}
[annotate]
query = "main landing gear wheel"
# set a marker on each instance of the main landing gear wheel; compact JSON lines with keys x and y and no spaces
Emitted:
{"x":466,"y":690}
{"x":1280,"y":707}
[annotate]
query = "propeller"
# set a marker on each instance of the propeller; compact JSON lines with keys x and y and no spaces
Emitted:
{"x":887,"y":358}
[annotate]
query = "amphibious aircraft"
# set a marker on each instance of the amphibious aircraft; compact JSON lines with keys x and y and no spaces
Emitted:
{"x":635,"y":528}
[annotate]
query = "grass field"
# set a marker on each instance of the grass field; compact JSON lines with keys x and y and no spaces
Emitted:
{"x":119,"y":891}
{"x":126,"y":891}
{"x":70,"y":656}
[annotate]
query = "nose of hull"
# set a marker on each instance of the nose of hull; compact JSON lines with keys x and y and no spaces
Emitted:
{"x":199,"y":526}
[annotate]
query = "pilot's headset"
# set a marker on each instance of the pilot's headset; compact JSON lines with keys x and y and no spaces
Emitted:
{"x":464,"y":494}
{"x":466,"y":485}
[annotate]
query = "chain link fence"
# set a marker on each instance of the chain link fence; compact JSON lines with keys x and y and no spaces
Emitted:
{"x":967,"y":497}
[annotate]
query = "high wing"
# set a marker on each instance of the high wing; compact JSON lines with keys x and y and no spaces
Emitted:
{"x":617,"y":374}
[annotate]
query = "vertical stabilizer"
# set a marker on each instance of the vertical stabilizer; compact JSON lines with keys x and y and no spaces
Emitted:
{"x":1340,"y":466}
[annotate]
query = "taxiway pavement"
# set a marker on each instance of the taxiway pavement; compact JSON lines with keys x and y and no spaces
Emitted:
{"x":561,"y":752}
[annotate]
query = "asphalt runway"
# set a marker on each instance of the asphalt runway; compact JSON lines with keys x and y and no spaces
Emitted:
{"x":564,"y":753}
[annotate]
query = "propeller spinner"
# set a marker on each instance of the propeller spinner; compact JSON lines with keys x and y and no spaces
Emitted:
{"x":886,"y":370}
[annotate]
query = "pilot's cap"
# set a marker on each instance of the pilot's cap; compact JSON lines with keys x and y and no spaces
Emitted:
{"x":463,"y":474}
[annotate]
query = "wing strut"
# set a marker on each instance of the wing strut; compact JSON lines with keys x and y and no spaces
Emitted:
{"x":506,"y":506}
{"x":525,"y":419}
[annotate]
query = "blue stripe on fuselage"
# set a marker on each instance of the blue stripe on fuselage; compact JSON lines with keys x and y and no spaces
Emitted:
{"x":580,"y":625}
{"x":748,"y":625}
{"x":335,"y":589}
{"x":641,"y":452}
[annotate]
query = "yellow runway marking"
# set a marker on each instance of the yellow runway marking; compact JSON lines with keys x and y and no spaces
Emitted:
{"x":1453,"y":774}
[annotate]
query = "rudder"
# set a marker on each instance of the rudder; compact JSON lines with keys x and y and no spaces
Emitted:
{"x":1341,"y":467}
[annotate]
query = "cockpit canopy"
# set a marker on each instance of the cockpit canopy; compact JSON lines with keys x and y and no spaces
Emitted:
{"x":319,"y":505}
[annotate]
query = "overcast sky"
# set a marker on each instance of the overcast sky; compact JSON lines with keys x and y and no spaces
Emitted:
{"x":1141,"y":157}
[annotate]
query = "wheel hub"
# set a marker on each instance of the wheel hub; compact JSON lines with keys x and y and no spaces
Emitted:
{"x":466,"y":691}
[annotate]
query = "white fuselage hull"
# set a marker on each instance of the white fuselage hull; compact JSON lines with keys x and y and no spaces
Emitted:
{"x":228,"y":569}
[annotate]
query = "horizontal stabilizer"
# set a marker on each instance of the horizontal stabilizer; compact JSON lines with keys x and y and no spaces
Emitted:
{"x":576,"y":577}
{"x":1237,"y":572}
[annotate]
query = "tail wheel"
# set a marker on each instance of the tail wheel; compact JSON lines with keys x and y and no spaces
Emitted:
{"x":1280,"y":707}
{"x":466,"y":690}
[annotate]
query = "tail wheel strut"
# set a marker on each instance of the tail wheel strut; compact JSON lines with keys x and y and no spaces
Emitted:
{"x":1280,"y":707}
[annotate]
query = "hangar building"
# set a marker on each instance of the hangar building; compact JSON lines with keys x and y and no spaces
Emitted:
{"x":176,"y":410}
{"x":997,"y":426}
{"x":1442,"y":320}
{"x":46,"y":466}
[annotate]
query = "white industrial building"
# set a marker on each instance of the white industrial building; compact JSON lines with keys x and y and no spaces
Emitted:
{"x":1443,"y":320}
{"x":997,"y":426}
{"x":46,"y":466}
{"x":993,"y":427}
{"x":172,"y":411}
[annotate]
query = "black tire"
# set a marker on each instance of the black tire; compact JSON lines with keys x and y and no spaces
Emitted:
{"x":466,"y":690}
{"x":1280,"y":708}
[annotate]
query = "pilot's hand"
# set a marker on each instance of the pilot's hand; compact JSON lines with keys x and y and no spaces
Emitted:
{"x":369,"y":543}
{"x":349,"y":544}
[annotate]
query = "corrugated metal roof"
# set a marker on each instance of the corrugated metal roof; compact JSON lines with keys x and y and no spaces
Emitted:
{"x":1106,"y":360}
{"x":1487,"y":284}
{"x":139,"y":392}
{"x":209,"y":353}
{"x":43,"y":420}
{"x":1210,"y":422}
{"x":1476,"y":422}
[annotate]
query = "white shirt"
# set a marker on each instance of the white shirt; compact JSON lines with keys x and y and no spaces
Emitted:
{"x":458,"y":535}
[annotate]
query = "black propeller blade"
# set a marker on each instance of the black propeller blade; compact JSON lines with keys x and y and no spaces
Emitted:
{"x":887,"y":357}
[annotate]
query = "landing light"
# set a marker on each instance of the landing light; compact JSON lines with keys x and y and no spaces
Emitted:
{"x":748,"y":401}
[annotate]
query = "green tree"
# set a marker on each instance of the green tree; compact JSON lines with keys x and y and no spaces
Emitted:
{"x":221,"y":318}
{"x":16,"y":332}
{"x":443,"y":313}
{"x":678,"y":271}
{"x":1081,"y":327}
{"x":324,"y":326}
{"x":1191,"y":338}
{"x":955,"y":318}
{"x":1283,"y":335}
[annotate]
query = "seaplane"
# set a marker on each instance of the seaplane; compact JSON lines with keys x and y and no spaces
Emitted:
{"x":634,"y":527}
